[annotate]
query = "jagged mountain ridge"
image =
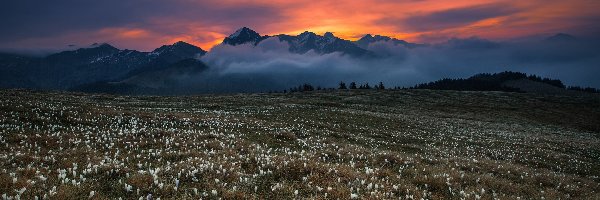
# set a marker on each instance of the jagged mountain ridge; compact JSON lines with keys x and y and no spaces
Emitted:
{"x":244,"y":35}
{"x":368,"y":39}
{"x":102,"y":62}
{"x":307,"y":41}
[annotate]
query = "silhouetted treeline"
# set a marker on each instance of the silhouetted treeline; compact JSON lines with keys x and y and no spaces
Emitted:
{"x":486,"y":82}
{"x":302,"y":88}
{"x":478,"y":82}
{"x":342,"y":86}
{"x":508,"y":75}
{"x":306,"y":87}
{"x":353,"y":86}
{"x":554,"y":82}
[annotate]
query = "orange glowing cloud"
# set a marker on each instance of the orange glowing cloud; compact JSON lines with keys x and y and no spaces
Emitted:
{"x":205,"y":23}
{"x":208,"y":40}
{"x":493,"y":19}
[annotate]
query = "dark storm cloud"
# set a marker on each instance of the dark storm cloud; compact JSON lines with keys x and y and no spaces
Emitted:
{"x":25,"y":19}
{"x":451,"y":18}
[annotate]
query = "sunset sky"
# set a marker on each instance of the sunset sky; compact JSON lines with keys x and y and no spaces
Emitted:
{"x":147,"y":24}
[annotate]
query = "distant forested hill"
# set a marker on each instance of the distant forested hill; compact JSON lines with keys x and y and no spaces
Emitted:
{"x":505,"y":81}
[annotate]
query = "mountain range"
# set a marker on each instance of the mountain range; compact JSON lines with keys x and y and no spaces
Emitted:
{"x":321,"y":44}
{"x":103,"y":64}
{"x":100,"y":62}
{"x":104,"y":68}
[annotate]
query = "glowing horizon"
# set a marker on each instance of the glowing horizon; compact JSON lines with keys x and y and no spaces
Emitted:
{"x":206,"y":23}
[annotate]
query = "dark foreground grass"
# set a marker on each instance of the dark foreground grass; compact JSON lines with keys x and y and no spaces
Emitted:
{"x":408,"y":144}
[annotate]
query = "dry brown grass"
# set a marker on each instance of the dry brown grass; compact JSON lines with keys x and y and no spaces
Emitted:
{"x":141,"y":181}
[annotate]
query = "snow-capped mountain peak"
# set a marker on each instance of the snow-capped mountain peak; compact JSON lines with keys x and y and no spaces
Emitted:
{"x":243,"y":35}
{"x":241,"y":31}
